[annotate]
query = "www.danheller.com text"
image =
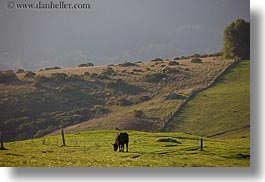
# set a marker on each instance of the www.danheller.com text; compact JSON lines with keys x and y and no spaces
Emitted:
{"x":47,"y":5}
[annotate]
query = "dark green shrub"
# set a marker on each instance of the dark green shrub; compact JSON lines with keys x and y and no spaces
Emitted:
{"x":137,"y":70}
{"x":138,"y":113}
{"x":53,"y":68}
{"x":29,"y":74}
{"x":85,"y":65}
{"x":168,"y":70}
{"x":144,"y":98}
{"x":20,"y":71}
{"x":204,"y":56}
{"x":74,"y":77}
{"x":109,"y":71}
{"x":155,"y":77}
{"x":58,"y":77}
{"x":183,"y":57}
{"x":196,"y":55}
{"x":173,"y":63}
{"x":176,"y":58}
{"x":196,"y":60}
{"x":122,"y":86}
{"x":103,"y":77}
{"x":174,"y":96}
{"x":39,"y":80}
{"x":157,"y":60}
{"x":127,"y":64}
{"x":93,"y":75}
{"x":124,"y":102}
{"x":8,"y":76}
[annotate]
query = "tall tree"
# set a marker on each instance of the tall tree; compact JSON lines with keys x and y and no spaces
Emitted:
{"x":237,"y":40}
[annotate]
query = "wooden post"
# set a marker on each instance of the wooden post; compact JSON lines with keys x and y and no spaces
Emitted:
{"x":2,"y":143}
{"x":201,"y":144}
{"x":63,"y":138}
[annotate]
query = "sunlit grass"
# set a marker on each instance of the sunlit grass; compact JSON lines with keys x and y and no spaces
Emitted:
{"x":94,"y":149}
{"x":224,"y":108}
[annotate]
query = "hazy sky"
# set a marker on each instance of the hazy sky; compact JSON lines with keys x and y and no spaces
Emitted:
{"x":113,"y":31}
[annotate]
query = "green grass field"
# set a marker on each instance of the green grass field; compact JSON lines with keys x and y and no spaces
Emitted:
{"x":94,"y":149}
{"x":221,"y":111}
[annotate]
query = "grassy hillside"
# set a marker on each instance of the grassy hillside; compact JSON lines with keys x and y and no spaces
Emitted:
{"x":100,"y":97}
{"x":220,"y":111}
{"x":94,"y":149}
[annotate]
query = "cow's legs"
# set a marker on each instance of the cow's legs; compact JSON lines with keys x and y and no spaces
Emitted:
{"x":126,"y":147}
{"x":122,"y":147}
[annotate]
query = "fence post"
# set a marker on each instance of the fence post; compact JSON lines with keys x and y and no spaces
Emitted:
{"x":201,"y":144}
{"x":63,"y":138}
{"x":2,"y":143}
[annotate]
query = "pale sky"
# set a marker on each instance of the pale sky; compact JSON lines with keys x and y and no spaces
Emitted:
{"x":114,"y":31}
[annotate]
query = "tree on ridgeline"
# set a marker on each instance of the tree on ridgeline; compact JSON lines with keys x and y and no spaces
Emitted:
{"x":237,"y":40}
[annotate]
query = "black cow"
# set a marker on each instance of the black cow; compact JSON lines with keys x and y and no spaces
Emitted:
{"x":120,"y":140}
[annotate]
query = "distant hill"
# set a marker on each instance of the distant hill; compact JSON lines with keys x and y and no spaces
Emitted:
{"x":221,"y":111}
{"x":188,"y":77}
{"x":138,"y":96}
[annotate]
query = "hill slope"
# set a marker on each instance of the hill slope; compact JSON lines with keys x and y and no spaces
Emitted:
{"x":137,"y":96}
{"x":220,"y":111}
{"x":158,"y":109}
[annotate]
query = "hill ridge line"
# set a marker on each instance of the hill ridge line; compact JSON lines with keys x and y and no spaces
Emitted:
{"x":194,"y":93}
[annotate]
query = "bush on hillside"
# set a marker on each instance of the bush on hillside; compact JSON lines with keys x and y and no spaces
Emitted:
{"x":53,"y":68}
{"x":196,"y":60}
{"x":58,"y":77}
{"x":20,"y":71}
{"x":85,"y":65}
{"x":29,"y":74}
{"x":8,"y":76}
{"x":93,"y":75}
{"x":39,"y":80}
{"x":144,"y":98}
{"x":124,"y":102}
{"x":138,"y":113}
{"x":157,"y":60}
{"x":173,"y":63}
{"x":196,"y":55}
{"x":74,"y":77}
{"x":155,"y":77}
{"x":127,"y":64}
{"x":174,"y":96}
{"x":168,"y":70}
{"x":109,"y":71}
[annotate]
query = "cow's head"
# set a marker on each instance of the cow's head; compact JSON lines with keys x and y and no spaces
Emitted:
{"x":115,"y":146}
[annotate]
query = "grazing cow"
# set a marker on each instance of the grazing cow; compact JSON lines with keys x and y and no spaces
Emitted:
{"x":120,"y":140}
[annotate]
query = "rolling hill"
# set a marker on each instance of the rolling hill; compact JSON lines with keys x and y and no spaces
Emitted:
{"x":220,"y":111}
{"x":138,"y":96}
{"x":208,"y":100}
